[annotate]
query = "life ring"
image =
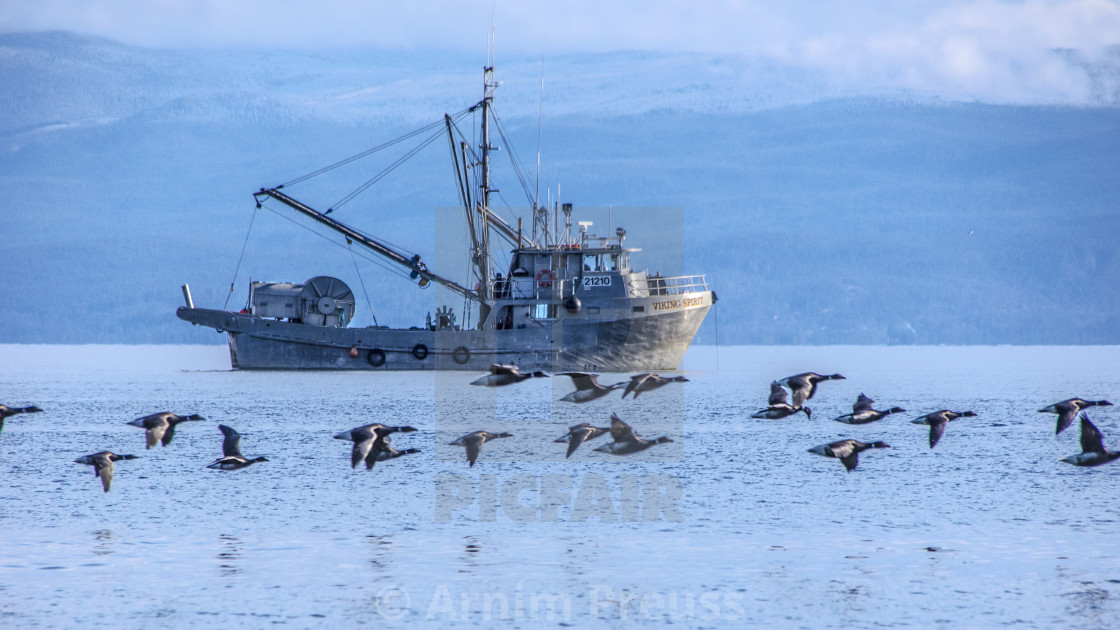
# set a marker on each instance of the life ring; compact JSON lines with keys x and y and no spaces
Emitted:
{"x":544,"y":278}
{"x":461,"y":355}
{"x":376,"y":357}
{"x":420,"y":351}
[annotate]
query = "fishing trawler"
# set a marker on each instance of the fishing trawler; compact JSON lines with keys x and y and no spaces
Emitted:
{"x":566,"y":302}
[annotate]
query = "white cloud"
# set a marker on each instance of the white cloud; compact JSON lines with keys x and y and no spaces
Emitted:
{"x":983,"y":48}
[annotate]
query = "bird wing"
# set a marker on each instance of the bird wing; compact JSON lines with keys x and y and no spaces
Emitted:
{"x":363,"y":442}
{"x":155,"y":434}
{"x":800,"y":393}
{"x":576,"y":437}
{"x":377,"y":447}
{"x":777,"y":394}
{"x":231,"y":444}
{"x":473,"y":442}
{"x":843,"y":448}
{"x":635,"y":384}
{"x":936,"y":430}
{"x":620,"y":431}
{"x":1066,"y":414}
{"x":850,"y":461}
{"x":103,"y":467}
{"x":1091,"y":439}
{"x":168,"y":434}
{"x":863,"y":403}
{"x":583,"y":380}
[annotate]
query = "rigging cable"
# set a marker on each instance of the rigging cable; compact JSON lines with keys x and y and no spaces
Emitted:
{"x":369,"y":152}
{"x":514,"y":160}
{"x":376,"y":178}
{"x":241,"y":257}
{"x":476,"y":160}
{"x":715,"y":307}
{"x":376,"y":261}
{"x":365,"y":291}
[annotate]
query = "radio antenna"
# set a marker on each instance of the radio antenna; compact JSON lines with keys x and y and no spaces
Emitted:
{"x":540,"y":115}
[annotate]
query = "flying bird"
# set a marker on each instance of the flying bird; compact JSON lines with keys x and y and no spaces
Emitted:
{"x":578,"y":434}
{"x":231,"y":458}
{"x":778,"y":407}
{"x":505,"y":375}
{"x":1093,"y":452}
{"x":803,"y":386}
{"x":388,"y":452}
{"x":863,"y":413}
{"x":1067,"y":410}
{"x":649,"y":382}
{"x":7,"y":412}
{"x":102,"y":463}
{"x":626,"y":441}
{"x":847,"y":451}
{"x":937,"y":421}
{"x":474,"y":442}
{"x":160,"y":427}
{"x":587,"y":387}
{"x":369,"y":442}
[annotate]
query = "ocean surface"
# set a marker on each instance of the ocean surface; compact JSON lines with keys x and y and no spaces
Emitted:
{"x":733,"y":523}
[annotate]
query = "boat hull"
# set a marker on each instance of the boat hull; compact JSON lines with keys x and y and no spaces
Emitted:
{"x":655,"y":340}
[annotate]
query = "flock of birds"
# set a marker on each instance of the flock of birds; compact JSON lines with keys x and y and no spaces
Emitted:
{"x":802,"y":387}
{"x":372,"y":442}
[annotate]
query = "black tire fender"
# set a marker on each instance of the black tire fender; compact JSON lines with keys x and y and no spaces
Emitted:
{"x":376,"y":357}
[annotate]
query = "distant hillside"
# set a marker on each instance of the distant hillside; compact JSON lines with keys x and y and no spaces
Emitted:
{"x":819,"y":216}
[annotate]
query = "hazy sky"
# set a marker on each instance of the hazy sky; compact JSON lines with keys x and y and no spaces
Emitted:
{"x":983,"y":46}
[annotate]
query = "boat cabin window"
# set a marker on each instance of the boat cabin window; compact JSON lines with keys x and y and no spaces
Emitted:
{"x":544,"y":311}
{"x":606,"y":262}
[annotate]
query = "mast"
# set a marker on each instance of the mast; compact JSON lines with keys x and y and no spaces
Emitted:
{"x":484,"y":186}
{"x":413,"y":264}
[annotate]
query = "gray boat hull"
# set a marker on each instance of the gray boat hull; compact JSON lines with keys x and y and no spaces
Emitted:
{"x":651,"y":335}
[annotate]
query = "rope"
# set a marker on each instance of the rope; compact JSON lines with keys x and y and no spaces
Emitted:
{"x":329,"y":238}
{"x":514,"y":160}
{"x":349,"y":244}
{"x":369,"y":152}
{"x":240,"y":258}
{"x":715,"y":307}
{"x":376,"y":178}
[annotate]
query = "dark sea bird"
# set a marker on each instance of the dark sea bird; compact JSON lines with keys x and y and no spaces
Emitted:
{"x":232,"y":459}
{"x":160,"y":427}
{"x":803,"y":386}
{"x":626,"y":441}
{"x":587,"y":387}
{"x":103,"y":465}
{"x":937,"y":421}
{"x":1093,"y":452}
{"x":7,"y":412}
{"x":649,"y":382}
{"x":369,"y":442}
{"x":862,"y":413}
{"x":474,"y":442}
{"x":779,"y":408}
{"x":387,"y":452}
{"x":505,"y":375}
{"x":579,"y":434}
{"x":847,"y":451}
{"x":1067,"y":410}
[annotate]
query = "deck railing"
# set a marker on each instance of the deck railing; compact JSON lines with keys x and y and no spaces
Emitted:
{"x":677,"y":285}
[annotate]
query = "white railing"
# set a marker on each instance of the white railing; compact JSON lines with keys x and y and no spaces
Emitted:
{"x":676,"y":285}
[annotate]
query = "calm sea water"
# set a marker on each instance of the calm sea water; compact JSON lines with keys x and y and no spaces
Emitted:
{"x":732,"y":523}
